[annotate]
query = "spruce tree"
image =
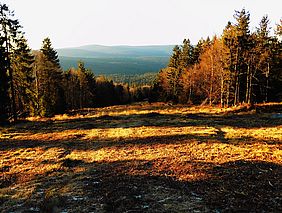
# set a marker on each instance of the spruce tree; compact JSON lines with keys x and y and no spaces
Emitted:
{"x":22,"y":64}
{"x":243,"y":44}
{"x":49,"y":82}
{"x":186,"y":54}
{"x":197,"y":51}
{"x":49,"y":52}
{"x":4,"y":86}
{"x":9,"y":33}
{"x":175,"y":57}
{"x":87,"y":85}
{"x":263,"y":60}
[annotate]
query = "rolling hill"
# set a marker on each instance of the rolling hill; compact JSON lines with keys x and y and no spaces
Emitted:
{"x":117,"y":59}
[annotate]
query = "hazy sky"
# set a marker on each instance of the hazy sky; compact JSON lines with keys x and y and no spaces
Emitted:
{"x":132,"y":22}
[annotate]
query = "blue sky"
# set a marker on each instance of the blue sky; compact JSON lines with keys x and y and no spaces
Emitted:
{"x":72,"y":23}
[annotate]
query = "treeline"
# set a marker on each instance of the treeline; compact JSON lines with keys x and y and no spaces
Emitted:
{"x":32,"y":83}
{"x":238,"y":67}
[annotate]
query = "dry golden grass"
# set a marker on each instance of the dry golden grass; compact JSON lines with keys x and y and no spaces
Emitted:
{"x":48,"y":160}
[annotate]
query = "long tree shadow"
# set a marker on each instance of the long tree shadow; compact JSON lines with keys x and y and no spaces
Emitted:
{"x":246,"y":121}
{"x":138,"y":186}
{"x":79,"y":143}
{"x":243,"y":186}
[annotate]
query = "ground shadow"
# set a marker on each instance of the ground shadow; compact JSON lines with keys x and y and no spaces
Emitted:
{"x":135,"y":186}
{"x":249,"y":120}
{"x":79,"y":143}
{"x":145,"y":186}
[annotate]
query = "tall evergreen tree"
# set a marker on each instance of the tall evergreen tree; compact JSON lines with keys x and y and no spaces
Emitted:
{"x":275,"y":89}
{"x":9,"y":31}
{"x":49,"y":52}
{"x":22,"y":64}
{"x":263,"y":59}
{"x":197,"y":51}
{"x":186,"y":55}
{"x":175,"y":57}
{"x":4,"y":85}
{"x":242,"y":41}
{"x":86,"y":86}
{"x":48,"y":81}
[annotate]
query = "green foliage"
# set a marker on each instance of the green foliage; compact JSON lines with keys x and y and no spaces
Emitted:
{"x":9,"y":33}
{"x":48,"y":81}
{"x":49,"y":52}
{"x":175,"y":57}
{"x":79,"y":86}
{"x":22,"y":66}
{"x":4,"y":86}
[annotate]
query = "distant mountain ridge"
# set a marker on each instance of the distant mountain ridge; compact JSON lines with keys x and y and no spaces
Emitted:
{"x":101,"y":51}
{"x":108,"y":60}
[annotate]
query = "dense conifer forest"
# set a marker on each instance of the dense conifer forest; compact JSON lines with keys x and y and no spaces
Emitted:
{"x":236,"y":67}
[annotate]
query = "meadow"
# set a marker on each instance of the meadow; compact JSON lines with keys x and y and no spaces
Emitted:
{"x":144,"y":158}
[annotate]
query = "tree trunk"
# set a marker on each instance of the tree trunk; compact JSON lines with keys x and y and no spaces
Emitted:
{"x":228,"y":94}
{"x":14,"y":111}
{"x":211,"y":81}
{"x":267,"y":82}
{"x":247,"y":84}
{"x":221,"y":88}
{"x":236,"y":88}
{"x":250,"y":89}
{"x":236,"y":95}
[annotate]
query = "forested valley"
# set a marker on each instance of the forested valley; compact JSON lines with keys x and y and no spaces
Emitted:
{"x":237,"y":67}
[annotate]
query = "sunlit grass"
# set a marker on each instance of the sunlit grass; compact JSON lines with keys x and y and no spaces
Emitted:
{"x":182,"y":148}
{"x":269,"y":133}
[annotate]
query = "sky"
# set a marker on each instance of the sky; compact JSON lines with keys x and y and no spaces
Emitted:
{"x":72,"y":23}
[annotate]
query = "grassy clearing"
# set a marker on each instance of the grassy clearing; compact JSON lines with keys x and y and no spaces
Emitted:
{"x":143,"y":158}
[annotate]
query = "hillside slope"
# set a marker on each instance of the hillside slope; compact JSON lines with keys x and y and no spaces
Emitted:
{"x":143,"y":158}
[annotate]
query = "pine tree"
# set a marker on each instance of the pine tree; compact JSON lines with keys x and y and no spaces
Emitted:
{"x":9,"y":32}
{"x":175,"y":57}
{"x":186,"y":62}
{"x":72,"y":88}
{"x":179,"y":62}
{"x":49,"y":52}
{"x":236,"y":38}
{"x":4,"y":86}
{"x":197,"y":51}
{"x":263,"y":60}
{"x":87,"y":86}
{"x":48,"y":81}
{"x":243,"y":41}
{"x":22,"y":64}
{"x":275,"y":89}
{"x":186,"y":55}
